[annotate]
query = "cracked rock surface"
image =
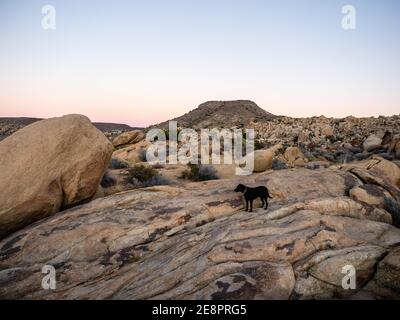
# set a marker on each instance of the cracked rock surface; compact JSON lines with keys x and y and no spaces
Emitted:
{"x":196,"y":242}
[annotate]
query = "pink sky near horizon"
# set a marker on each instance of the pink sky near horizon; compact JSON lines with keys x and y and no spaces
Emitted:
{"x":138,"y":63}
{"x":146,"y":108}
{"x":152,"y":111}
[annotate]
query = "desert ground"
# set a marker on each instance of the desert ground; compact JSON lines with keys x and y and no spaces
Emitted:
{"x":83,"y":198}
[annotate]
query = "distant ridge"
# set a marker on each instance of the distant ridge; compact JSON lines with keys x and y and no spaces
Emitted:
{"x":227,"y":114}
{"x":105,"y":126}
{"x":9,"y":125}
{"x":24,"y":121}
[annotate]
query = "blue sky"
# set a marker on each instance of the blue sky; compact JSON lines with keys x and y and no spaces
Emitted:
{"x":142,"y":62}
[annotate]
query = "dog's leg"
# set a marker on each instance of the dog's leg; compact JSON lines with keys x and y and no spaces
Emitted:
{"x":263,"y":202}
{"x":251,"y":205}
{"x":247,"y":205}
{"x":266,"y":203}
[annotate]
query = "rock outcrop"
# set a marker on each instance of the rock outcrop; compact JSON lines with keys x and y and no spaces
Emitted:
{"x":47,"y":166}
{"x":129,"y":137}
{"x":133,"y":153}
{"x":263,"y":158}
{"x":293,"y":155}
{"x":395,"y":145}
{"x":196,"y":242}
{"x":381,"y":168}
{"x":372,"y":142}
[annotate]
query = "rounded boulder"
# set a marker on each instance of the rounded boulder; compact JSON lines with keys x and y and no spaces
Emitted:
{"x":48,"y":166}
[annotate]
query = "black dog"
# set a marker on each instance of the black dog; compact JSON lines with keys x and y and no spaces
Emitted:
{"x":253,"y":193}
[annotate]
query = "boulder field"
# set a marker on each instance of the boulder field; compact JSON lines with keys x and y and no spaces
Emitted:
{"x":196,"y":242}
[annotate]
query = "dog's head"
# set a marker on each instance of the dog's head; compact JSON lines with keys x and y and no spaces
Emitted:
{"x":240,"y":188}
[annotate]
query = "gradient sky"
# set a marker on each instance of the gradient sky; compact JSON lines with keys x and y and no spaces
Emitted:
{"x":142,"y":62}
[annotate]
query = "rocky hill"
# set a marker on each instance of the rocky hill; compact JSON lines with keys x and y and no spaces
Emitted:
{"x":108,"y":126}
{"x":227,"y":114}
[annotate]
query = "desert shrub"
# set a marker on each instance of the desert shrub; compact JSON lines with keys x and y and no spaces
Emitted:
{"x":190,"y":173}
{"x":328,"y":156}
{"x":278,"y":164}
{"x":393,"y":207}
{"x":200,"y":173}
{"x":108,"y":180}
{"x":142,"y":155}
{"x":331,"y":139}
{"x":145,"y":176}
{"x":207,"y":172}
{"x":118,"y":164}
{"x":157,"y":180}
{"x":140,"y":173}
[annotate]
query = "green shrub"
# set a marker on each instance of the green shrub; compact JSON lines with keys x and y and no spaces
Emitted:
{"x":108,"y":180}
{"x":278,"y":164}
{"x":118,"y":164}
{"x":200,"y":173}
{"x":140,"y":173}
{"x":145,"y":176}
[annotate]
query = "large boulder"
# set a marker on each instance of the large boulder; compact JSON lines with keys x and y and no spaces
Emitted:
{"x":323,"y":279}
{"x":129,"y":137}
{"x":372,"y":142}
{"x":386,"y":281}
{"x":395,"y":145}
{"x":133,"y":153}
{"x":369,"y":194}
{"x":293,"y":155}
{"x":385,"y":169}
{"x":388,"y":272}
{"x":47,"y":166}
{"x":327,"y":130}
{"x":379,"y":167}
{"x":303,"y":136}
{"x":323,"y":128}
{"x":263,"y":158}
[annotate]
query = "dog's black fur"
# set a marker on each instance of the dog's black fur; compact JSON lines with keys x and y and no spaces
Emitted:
{"x":253,"y":193}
